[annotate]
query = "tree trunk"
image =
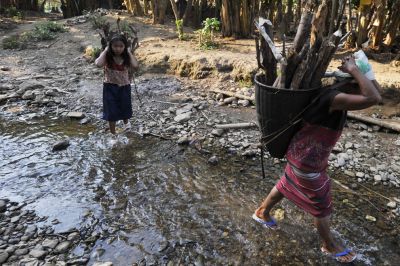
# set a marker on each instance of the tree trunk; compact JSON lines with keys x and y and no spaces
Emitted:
{"x":393,"y":25}
{"x":110,"y":4}
{"x":289,"y":16}
{"x":146,"y":7}
{"x":363,"y":24}
{"x":175,"y":9}
{"x":377,"y":29}
{"x":188,"y":12}
{"x":159,"y":7}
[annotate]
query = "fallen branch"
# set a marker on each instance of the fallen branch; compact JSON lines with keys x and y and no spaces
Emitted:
{"x":236,"y":126}
{"x":386,"y":124}
{"x":233,"y":94}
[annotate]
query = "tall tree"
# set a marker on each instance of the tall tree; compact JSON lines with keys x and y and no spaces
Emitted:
{"x":363,"y":22}
{"x":394,"y":24}
{"x":379,"y":22}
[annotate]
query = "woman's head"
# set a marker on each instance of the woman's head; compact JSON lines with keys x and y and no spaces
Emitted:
{"x":118,"y":46}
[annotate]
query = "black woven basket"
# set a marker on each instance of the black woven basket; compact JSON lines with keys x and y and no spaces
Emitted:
{"x":277,"y":109}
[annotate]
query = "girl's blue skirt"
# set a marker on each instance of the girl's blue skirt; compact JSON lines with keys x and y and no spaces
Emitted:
{"x":117,"y":102}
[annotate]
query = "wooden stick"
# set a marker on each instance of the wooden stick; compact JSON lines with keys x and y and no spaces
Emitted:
{"x":386,"y":124}
{"x":232,"y":94}
{"x":236,"y":126}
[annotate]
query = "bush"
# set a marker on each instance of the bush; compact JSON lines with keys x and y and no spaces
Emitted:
{"x":206,"y":34}
{"x":13,"y":13}
{"x":98,"y":21}
{"x":42,"y":31}
{"x":92,"y":52}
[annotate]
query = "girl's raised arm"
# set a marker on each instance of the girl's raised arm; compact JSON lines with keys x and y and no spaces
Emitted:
{"x":101,"y":60}
{"x":134,"y":62}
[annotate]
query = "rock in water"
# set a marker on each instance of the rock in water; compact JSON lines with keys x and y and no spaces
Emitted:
{"x":183,"y":140}
{"x":213,"y":160}
{"x":38,"y":253}
{"x":62,"y":247}
{"x":370,"y":218}
{"x":77,"y":115}
{"x":61,"y":145}
{"x":3,"y":256}
{"x":3,"y":205}
{"x":108,"y":263}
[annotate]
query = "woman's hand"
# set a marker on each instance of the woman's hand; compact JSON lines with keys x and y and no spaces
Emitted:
{"x":348,"y":65}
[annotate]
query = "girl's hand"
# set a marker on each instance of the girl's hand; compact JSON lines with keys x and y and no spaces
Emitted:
{"x":348,"y":65}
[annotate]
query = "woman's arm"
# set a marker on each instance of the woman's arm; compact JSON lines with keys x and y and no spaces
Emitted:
{"x":369,"y":92}
{"x":101,"y":60}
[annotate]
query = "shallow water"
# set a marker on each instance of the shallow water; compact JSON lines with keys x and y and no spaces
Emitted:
{"x":158,"y":202}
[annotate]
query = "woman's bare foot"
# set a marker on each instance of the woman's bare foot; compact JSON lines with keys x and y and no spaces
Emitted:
{"x":340,"y":253}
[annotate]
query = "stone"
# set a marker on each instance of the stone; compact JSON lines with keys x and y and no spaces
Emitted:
{"x":183,"y":117}
{"x":29,"y":85}
{"x":183,"y":140}
{"x":187,"y":108}
{"x":360,"y":174}
{"x":370,"y":218}
{"x":61,"y":145}
{"x":218,"y":132}
{"x":28,"y":95}
{"x":15,"y":219}
{"x":229,"y":100}
{"x":244,"y":103}
{"x":392,"y":205}
{"x":50,"y":243}
{"x":108,"y":263}
{"x":38,"y":253}
{"x":3,"y":205}
{"x":73,"y":236}
{"x":249,"y":153}
{"x":77,"y":115}
{"x":349,"y":173}
{"x":3,"y":256}
{"x":213,"y":160}
{"x":21,"y":252}
{"x":62,"y":247}
{"x":378,"y":178}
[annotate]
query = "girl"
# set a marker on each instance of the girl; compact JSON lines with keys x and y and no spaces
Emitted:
{"x":117,"y":61}
{"x":305,"y":181}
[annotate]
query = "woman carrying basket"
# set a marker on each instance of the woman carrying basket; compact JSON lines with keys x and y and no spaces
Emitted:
{"x":305,"y":181}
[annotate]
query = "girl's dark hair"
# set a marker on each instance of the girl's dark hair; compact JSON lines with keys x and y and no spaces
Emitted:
{"x":110,"y":54}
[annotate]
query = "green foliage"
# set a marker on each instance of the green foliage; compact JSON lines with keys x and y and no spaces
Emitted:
{"x":11,"y":42}
{"x":92,"y":52}
{"x":179,"y":28}
{"x":42,"y":31}
{"x":245,"y":83}
{"x":98,"y":21}
{"x":13,"y":13}
{"x":206,"y":34}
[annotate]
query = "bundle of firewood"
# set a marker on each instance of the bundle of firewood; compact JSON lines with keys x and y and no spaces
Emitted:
{"x":305,"y":63}
{"x":130,"y":33}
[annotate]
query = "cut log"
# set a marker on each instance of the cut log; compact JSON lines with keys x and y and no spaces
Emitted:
{"x":237,"y":125}
{"x":389,"y":124}
{"x":232,"y":94}
{"x":303,"y":31}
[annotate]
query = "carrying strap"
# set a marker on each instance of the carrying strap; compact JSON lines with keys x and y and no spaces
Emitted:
{"x":297,"y":119}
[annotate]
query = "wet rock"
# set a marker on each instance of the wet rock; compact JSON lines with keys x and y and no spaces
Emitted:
{"x":213,"y":160}
{"x":163,"y":246}
{"x":21,"y":252}
{"x":183,"y":117}
{"x":84,"y":121}
{"x":230,"y":100}
{"x":50,"y":243}
{"x":218,"y":132}
{"x":392,"y":205}
{"x":73,"y":236}
{"x":183,"y":140}
{"x":349,"y":173}
{"x":62,"y":247}
{"x":370,"y":218}
{"x":3,"y":205}
{"x":244,"y":103}
{"x":29,"y":85}
{"x":61,"y":145}
{"x":249,"y":153}
{"x":28,"y":95}
{"x":15,"y":219}
{"x":38,"y":253}
{"x":108,"y":263}
{"x":377,"y":178}
{"x":360,"y":174}
{"x":3,"y":256}
{"x":76,"y":115}
{"x":5,"y":68}
{"x":220,"y":96}
{"x":187,"y":108}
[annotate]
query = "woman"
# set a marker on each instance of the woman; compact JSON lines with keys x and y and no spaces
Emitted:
{"x":305,"y":181}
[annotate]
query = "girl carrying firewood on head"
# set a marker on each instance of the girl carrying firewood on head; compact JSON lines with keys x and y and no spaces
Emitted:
{"x":305,"y":181}
{"x":117,"y":60}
